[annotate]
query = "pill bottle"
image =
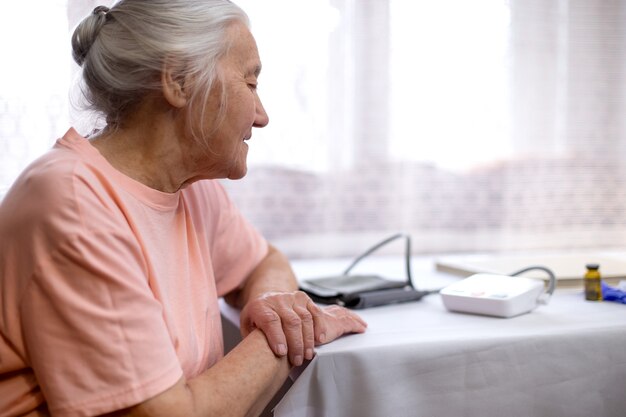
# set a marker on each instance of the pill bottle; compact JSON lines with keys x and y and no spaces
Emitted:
{"x":593,"y":284}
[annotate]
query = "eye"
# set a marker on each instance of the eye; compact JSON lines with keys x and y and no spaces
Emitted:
{"x":253,"y":86}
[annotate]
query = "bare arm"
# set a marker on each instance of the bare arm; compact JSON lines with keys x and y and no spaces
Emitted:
{"x":291,"y":321}
{"x":241,"y":384}
{"x":273,"y":274}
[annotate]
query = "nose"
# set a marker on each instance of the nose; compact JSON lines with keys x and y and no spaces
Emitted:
{"x":261,"y":118}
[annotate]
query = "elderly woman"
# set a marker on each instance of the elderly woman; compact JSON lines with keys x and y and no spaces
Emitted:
{"x":115,"y":248}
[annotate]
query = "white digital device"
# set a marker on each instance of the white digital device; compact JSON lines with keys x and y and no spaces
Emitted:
{"x":493,"y":295}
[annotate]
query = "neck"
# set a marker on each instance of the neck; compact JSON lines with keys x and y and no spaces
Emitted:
{"x":151,"y":151}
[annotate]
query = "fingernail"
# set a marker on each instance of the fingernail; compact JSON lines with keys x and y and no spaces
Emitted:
{"x":282,"y":349}
{"x":297,"y":361}
{"x":322,"y":337}
{"x":309,"y":354}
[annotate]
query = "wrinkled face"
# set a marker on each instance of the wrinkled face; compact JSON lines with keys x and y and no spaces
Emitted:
{"x":238,"y":72}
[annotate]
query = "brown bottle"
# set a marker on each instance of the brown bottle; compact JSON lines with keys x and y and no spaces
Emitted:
{"x":593,"y":284}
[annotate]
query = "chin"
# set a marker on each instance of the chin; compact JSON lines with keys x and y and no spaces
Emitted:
{"x":237,"y":174}
{"x":239,"y":168}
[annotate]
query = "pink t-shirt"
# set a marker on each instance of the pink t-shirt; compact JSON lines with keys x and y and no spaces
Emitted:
{"x":108,"y":288}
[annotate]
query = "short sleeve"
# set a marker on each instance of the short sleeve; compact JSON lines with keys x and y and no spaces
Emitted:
{"x":238,"y":246}
{"x":94,"y":333}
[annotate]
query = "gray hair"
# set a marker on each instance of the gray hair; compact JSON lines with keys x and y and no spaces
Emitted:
{"x":122,"y":50}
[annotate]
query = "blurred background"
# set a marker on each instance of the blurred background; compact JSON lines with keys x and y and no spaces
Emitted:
{"x":474,"y":126}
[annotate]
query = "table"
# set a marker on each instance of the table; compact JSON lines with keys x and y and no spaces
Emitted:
{"x":564,"y":359}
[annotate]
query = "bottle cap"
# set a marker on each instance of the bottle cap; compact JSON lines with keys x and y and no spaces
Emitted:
{"x":593,"y":266}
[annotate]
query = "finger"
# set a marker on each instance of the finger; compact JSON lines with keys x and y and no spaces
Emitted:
{"x":300,"y":306}
{"x":308,"y":333}
{"x":271,"y":325}
{"x":342,"y":321}
{"x":352,"y":322}
{"x":292,"y":328}
{"x":355,"y":325}
{"x":319,"y":322}
{"x":345,"y":314}
{"x":246,"y":327}
{"x":355,"y":317}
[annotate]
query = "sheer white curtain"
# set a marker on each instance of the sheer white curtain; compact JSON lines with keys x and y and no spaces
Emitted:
{"x":34,"y":79}
{"x":473,"y":126}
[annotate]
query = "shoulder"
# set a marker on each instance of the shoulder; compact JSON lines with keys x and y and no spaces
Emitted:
{"x":52,"y":195}
{"x":42,"y":187}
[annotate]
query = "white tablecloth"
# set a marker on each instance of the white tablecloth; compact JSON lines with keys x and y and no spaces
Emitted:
{"x":565,"y":359}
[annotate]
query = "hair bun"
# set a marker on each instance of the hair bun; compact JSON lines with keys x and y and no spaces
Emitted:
{"x":86,"y":33}
{"x":100,"y":10}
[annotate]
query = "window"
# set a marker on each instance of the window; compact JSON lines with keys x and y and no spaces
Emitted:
{"x":473,"y":126}
{"x":34,"y":82}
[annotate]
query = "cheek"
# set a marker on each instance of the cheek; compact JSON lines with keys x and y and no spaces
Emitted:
{"x":200,"y":122}
{"x":243,"y":109}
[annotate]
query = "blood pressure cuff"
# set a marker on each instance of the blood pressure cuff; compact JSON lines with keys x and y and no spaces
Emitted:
{"x":359,"y":291}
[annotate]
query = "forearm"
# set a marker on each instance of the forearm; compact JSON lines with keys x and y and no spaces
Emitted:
{"x":272,"y":274}
{"x":244,"y":381}
{"x":291,"y":321}
{"x":241,"y":384}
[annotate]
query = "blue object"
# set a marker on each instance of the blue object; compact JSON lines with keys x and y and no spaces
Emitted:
{"x":613,"y":294}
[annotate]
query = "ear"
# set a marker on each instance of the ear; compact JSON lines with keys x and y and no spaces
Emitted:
{"x":173,"y":86}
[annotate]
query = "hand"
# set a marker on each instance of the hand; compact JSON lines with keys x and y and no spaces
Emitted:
{"x":293,"y":324}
